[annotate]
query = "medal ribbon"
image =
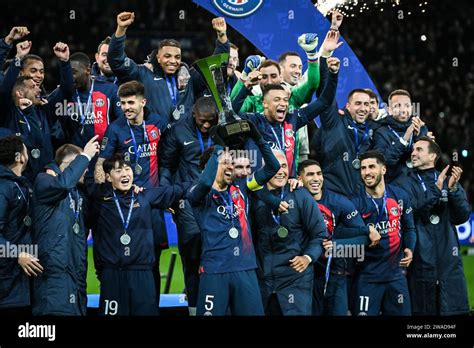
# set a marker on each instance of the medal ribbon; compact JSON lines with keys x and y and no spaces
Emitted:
{"x":117,"y":204}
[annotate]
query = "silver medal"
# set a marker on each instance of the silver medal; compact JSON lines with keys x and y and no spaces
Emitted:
{"x":27,"y":220}
{"x":176,"y":114}
{"x":125,"y":239}
{"x":282,"y":232}
{"x":138,"y":169}
{"x":356,"y":163}
{"x":35,"y":153}
{"x":233,"y":233}
{"x":434,"y":219}
{"x":76,"y":228}
{"x":409,"y":164}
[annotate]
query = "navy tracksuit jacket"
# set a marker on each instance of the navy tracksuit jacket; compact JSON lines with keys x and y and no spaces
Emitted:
{"x":157,"y":91}
{"x":436,"y":277}
{"x":61,"y":288}
{"x":35,"y":122}
{"x":14,"y":283}
{"x":286,"y":131}
{"x":306,"y":230}
{"x":387,"y":141}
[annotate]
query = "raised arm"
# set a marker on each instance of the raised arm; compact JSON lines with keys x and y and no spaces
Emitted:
{"x":51,"y":189}
{"x":198,"y":192}
{"x":121,"y":65}
{"x":324,"y":102}
{"x":303,"y":93}
{"x":66,"y":89}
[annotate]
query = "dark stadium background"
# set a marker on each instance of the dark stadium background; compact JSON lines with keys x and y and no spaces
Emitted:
{"x":390,"y":49}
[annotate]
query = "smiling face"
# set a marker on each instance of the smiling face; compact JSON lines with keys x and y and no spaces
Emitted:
{"x":132,"y":107}
{"x":281,"y":177}
{"x":101,"y":59}
{"x":242,"y":167}
{"x":291,"y":69}
{"x":169,"y":58}
{"x":400,"y":107}
{"x":312,"y":178}
{"x":204,"y":120}
{"x":121,"y":177}
{"x":372,"y":172}
{"x":35,"y":69}
{"x":224,"y":170}
{"x":374,"y":109}
{"x":359,"y":106}
{"x":275,"y":105}
{"x":270,"y":76}
{"x":30,"y":90}
{"x":421,"y":158}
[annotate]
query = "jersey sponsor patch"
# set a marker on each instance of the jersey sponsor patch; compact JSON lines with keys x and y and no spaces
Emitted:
{"x":237,"y":8}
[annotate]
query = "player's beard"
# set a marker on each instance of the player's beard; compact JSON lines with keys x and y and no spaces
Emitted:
{"x":377,"y":180}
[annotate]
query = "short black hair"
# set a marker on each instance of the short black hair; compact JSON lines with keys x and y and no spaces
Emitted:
{"x":10,"y":146}
{"x":204,"y":158}
{"x":379,"y":157}
{"x":272,"y":87}
{"x":28,"y":57}
{"x":81,"y":58}
{"x":169,"y":42}
{"x":357,"y":90}
{"x":109,"y":162}
{"x":205,"y":104}
{"x":433,"y":147}
{"x":307,"y":163}
{"x":105,"y":41}
{"x":131,"y":88}
{"x":282,"y":57}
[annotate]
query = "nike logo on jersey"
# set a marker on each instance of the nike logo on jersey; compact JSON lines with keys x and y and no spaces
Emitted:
{"x":350,"y":127}
{"x":157,"y":78}
{"x":106,"y":198}
{"x":365,"y":216}
{"x":188,"y":142}
{"x":127,"y":141}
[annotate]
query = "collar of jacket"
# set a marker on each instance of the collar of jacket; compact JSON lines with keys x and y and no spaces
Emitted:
{"x":96,"y":74}
{"x":397,"y":125}
{"x":426,"y":172}
{"x":7,"y":173}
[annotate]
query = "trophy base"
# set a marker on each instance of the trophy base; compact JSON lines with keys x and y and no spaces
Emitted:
{"x":234,"y":133}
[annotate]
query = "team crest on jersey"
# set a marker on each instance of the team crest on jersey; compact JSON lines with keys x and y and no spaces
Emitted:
{"x":99,"y":102}
{"x":154,"y":134}
{"x":394,"y":211}
{"x":235,"y":195}
{"x":237,"y":8}
{"x":289,"y":133}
